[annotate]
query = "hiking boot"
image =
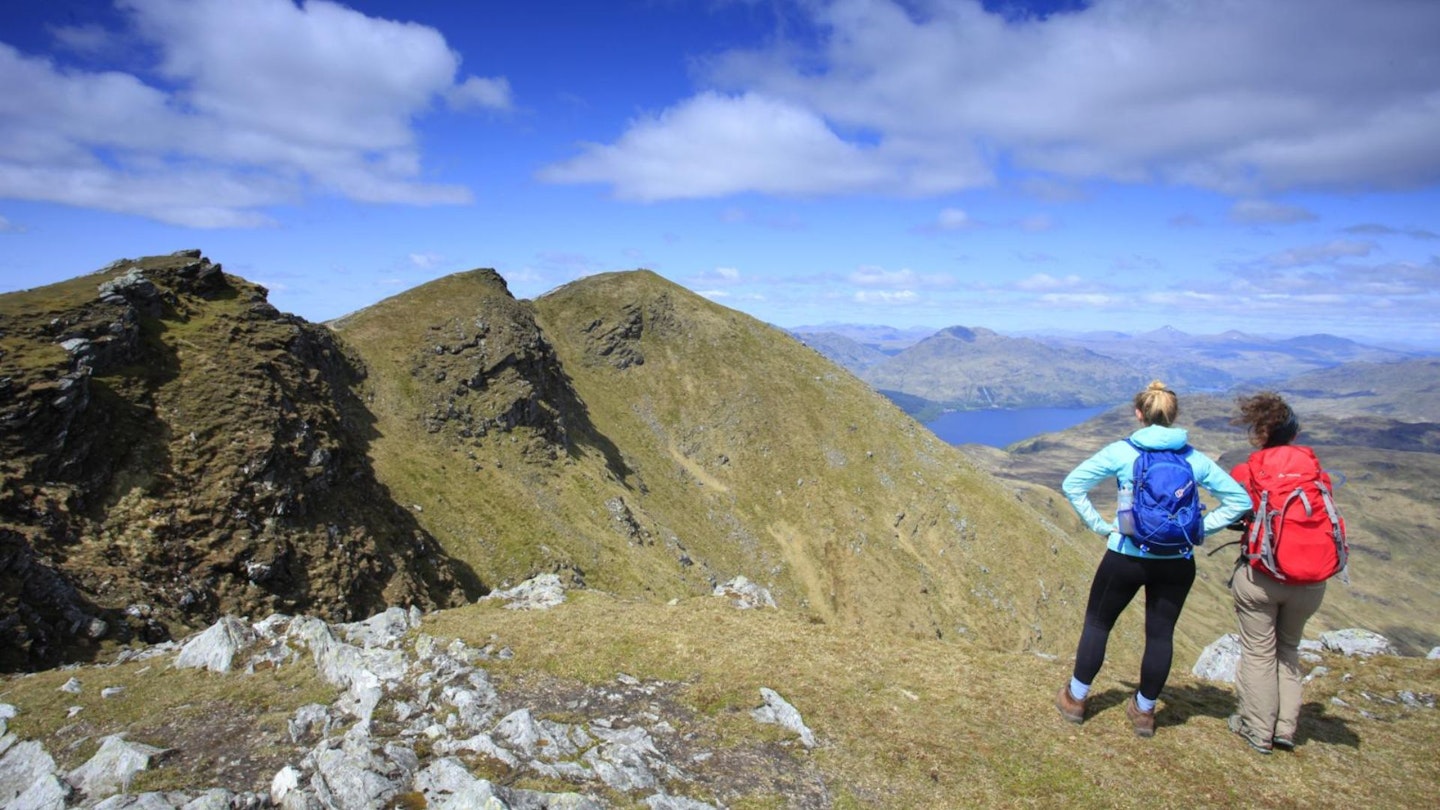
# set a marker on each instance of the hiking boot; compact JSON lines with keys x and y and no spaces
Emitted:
{"x":1283,"y":743}
{"x":1238,"y":726}
{"x":1070,"y":708}
{"x":1142,"y":722}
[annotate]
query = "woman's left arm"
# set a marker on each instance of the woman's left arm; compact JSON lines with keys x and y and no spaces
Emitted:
{"x":1234,"y":500}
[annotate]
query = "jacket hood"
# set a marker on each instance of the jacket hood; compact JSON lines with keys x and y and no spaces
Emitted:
{"x":1157,"y":437}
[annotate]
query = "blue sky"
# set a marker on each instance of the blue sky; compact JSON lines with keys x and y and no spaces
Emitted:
{"x":1122,"y":164}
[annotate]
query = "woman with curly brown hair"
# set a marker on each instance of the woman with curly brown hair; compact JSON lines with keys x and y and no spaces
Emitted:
{"x":1271,"y":606}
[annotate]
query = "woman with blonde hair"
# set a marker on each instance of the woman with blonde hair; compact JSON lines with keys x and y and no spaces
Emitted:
{"x":1130,"y":563}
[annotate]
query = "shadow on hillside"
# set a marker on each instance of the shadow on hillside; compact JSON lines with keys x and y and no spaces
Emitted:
{"x":1318,"y":726}
{"x":1180,"y":703}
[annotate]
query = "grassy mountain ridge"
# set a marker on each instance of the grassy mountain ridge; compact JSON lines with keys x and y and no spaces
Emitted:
{"x":681,"y":444}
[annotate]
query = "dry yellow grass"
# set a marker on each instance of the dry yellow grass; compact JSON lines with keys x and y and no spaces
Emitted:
{"x":911,"y":723}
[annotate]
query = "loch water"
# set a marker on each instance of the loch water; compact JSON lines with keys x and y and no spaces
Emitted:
{"x":1000,"y":427}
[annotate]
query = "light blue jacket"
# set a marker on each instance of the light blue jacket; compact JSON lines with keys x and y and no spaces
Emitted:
{"x":1117,"y":460}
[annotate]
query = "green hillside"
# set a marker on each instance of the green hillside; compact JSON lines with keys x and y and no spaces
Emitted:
{"x":669,"y":444}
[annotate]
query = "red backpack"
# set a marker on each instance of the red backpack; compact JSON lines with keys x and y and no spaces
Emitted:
{"x":1297,"y":535}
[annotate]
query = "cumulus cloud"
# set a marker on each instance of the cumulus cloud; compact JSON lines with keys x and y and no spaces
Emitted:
{"x":715,"y":145}
{"x":1249,"y":99}
{"x":257,"y":103}
{"x":475,"y":92}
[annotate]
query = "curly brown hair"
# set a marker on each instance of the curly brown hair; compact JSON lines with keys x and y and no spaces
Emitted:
{"x":1270,"y":421}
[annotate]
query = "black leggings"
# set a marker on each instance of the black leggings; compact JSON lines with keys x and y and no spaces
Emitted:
{"x":1119,"y":577}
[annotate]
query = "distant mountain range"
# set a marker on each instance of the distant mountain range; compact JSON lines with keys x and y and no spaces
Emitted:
{"x":966,"y":368}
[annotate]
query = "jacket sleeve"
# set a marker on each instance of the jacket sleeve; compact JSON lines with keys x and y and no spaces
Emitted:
{"x":1080,"y":481}
{"x":1234,"y":499}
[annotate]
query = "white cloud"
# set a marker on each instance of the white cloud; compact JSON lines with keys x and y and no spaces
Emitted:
{"x":261,"y":102}
{"x":86,"y":39}
{"x":886,"y":297}
{"x":714,"y":145}
{"x":719,"y":276}
{"x":953,"y":219}
{"x":1261,"y":212}
{"x":491,"y":94}
{"x":6,"y":226}
{"x":426,"y":261}
{"x":1037,"y":223}
{"x":1319,"y":254}
{"x":871,"y":276}
{"x":1245,"y":98}
{"x":1044,"y":282}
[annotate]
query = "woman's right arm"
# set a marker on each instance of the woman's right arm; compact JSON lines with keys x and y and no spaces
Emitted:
{"x":1077,"y":486}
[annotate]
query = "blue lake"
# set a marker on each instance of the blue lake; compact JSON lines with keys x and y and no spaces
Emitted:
{"x":998,"y":428}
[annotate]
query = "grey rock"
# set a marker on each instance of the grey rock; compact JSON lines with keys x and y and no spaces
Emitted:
{"x":23,"y":764}
{"x":623,"y":758}
{"x":448,"y":785}
{"x":1434,"y":654}
{"x":382,"y":629}
{"x":140,"y":801}
{"x":745,"y":594}
{"x":537,"y":593}
{"x":352,"y":775}
{"x":310,"y":720}
{"x":778,"y":710}
{"x":112,"y":767}
{"x":1219,"y":659}
{"x":45,"y":793}
{"x":1357,"y":642}
{"x":660,"y":801}
{"x":216,"y":647}
{"x":215,"y":799}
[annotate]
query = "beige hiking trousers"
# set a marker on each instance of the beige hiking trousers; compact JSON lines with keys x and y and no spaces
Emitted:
{"x":1272,"y":619}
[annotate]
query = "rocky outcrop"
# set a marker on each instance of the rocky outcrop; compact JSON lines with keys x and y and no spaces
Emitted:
{"x":418,"y":722}
{"x":173,"y":449}
{"x":1219,"y":659}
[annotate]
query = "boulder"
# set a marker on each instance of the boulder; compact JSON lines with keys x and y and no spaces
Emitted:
{"x":1217,"y":662}
{"x":215,"y":648}
{"x":778,"y":710}
{"x":1357,"y":642}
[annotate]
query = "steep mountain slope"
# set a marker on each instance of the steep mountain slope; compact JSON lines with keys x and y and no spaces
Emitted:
{"x":659,"y":444}
{"x":977,"y":368}
{"x":171,"y":448}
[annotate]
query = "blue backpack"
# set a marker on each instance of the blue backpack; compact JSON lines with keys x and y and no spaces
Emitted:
{"x":1169,"y":517}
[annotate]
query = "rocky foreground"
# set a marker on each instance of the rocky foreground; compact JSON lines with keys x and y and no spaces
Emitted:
{"x":414,"y":718}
